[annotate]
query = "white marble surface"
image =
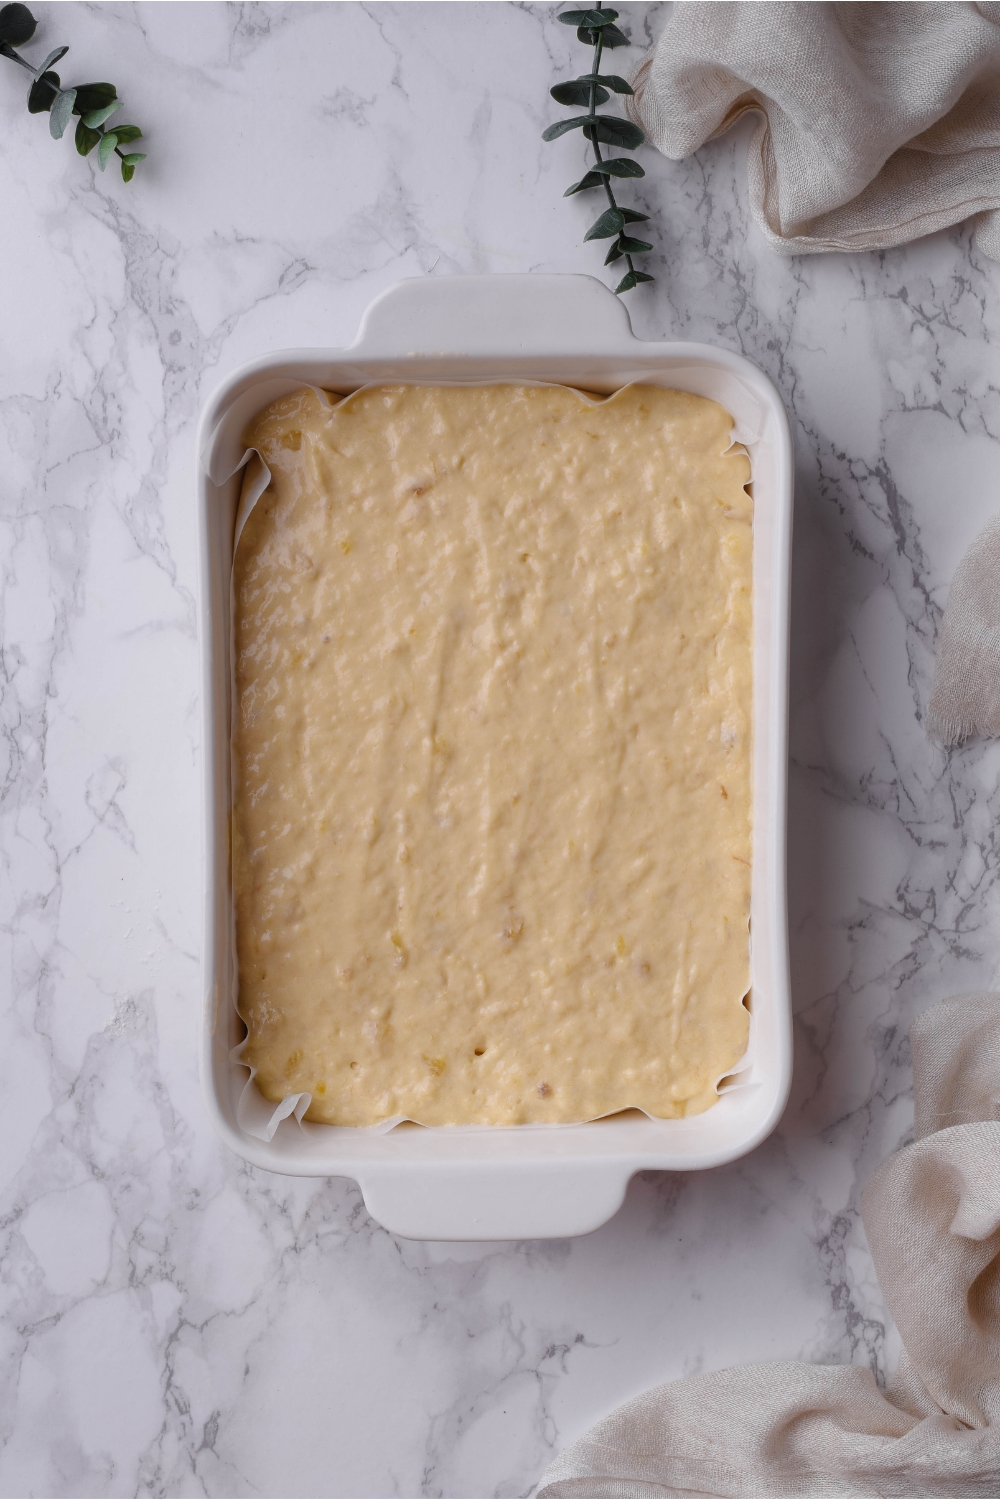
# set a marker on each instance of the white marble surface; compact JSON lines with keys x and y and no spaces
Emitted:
{"x":171,"y":1321}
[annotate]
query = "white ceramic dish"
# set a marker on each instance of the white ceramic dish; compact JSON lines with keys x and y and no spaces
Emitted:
{"x":520,"y":1182}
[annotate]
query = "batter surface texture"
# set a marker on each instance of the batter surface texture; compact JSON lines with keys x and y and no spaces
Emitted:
{"x":492,"y":822}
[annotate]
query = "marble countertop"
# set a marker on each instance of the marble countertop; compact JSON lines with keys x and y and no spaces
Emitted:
{"x":171,"y":1320}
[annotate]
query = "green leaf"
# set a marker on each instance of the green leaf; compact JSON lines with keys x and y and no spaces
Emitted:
{"x":610,"y":80}
{"x":641,"y":276}
{"x":42,"y":92}
{"x":53,"y":57}
{"x":86,"y":139}
{"x":106,"y":149}
{"x":631,"y":246}
{"x":577,"y":92}
{"x":127,"y":172}
{"x":134,"y":158}
{"x":631,"y":217}
{"x":561,"y":127}
{"x":609,"y":35}
{"x":61,"y":112}
{"x":588,"y":17}
{"x":627,"y":283}
{"x":613,"y":254}
{"x":95,"y":117}
{"x":619,"y":166}
{"x":17,"y":25}
{"x":94,"y":96}
{"x":614,"y":131}
{"x":611,"y":222}
{"x":126,"y":133}
{"x":588,"y":180}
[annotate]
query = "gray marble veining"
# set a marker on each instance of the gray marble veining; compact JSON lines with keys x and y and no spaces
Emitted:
{"x":172,"y":1321}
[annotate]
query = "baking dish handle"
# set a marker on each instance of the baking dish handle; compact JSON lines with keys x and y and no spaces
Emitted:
{"x":502,"y":1201}
{"x":494,"y":316}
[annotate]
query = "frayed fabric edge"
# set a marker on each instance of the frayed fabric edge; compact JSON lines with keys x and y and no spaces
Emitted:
{"x":949,"y":732}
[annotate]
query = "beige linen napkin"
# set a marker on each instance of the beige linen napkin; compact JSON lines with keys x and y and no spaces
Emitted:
{"x":932,"y":1215}
{"x":965,"y":697}
{"x":880,"y":122}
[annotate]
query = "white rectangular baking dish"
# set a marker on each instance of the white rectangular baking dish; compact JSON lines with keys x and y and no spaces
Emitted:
{"x":520,"y":1182}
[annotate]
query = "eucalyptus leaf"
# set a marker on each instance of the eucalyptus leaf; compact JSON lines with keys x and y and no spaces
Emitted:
{"x":134,"y":158}
{"x":95,"y":117}
{"x":631,"y":217}
{"x":17,"y":25}
{"x":620,"y":166}
{"x":42,"y":92}
{"x":611,"y":222}
{"x":613,"y":254}
{"x":588,"y":180}
{"x":631,"y":246}
{"x":591,"y":18}
{"x":627,"y":283}
{"x":642,"y":276}
{"x":610,"y":80}
{"x":94,"y":96}
{"x":127,"y":172}
{"x":578,"y":92}
{"x":53,"y":57}
{"x":612,"y":37}
{"x":614,"y":131}
{"x":86,"y":139}
{"x":126,"y":133}
{"x":106,"y":149}
{"x":61,"y":112}
{"x":561,"y":127}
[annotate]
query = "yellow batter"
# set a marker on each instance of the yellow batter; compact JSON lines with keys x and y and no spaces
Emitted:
{"x":492,"y":826}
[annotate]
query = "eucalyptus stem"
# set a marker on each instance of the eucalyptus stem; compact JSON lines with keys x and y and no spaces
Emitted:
{"x":95,"y":103}
{"x":7,"y":51}
{"x":593,"y":115}
{"x":596,"y":28}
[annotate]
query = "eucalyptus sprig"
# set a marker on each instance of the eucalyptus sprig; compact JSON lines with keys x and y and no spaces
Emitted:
{"x":95,"y":103}
{"x":596,"y":28}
